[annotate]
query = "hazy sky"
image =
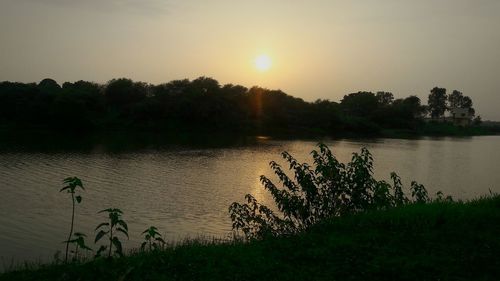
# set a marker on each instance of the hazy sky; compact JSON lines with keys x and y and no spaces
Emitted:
{"x":319,"y":49}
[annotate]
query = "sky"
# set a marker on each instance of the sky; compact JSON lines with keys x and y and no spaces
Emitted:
{"x":319,"y":49}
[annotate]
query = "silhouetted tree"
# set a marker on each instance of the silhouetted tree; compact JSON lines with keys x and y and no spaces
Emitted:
{"x":466,"y":102}
{"x":49,"y":86}
{"x":122,"y":92}
{"x":458,"y":100}
{"x":204,"y":86}
{"x":385,"y":98}
{"x":360,"y":104}
{"x":201,"y":104}
{"x":455,"y":99}
{"x":437,"y":102}
{"x":412,"y":104}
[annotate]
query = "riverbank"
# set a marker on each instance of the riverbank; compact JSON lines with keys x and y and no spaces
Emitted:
{"x":437,"y":241}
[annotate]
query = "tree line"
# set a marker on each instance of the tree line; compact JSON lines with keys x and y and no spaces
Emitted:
{"x":204,"y":104}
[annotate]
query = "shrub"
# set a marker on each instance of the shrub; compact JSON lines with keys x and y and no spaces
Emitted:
{"x":326,"y":189}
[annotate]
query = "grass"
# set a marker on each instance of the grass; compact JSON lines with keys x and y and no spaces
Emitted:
{"x":436,"y":241}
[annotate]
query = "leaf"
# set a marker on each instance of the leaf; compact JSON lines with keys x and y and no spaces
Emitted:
{"x":150,"y":230}
{"x":68,"y":180}
{"x":102,"y":224}
{"x":113,"y":210}
{"x":80,"y":242}
{"x":114,"y":218}
{"x":160,"y":240}
{"x":118,"y":245}
{"x":78,"y":199}
{"x":122,"y":231}
{"x":78,"y":182}
{"x":122,"y":223}
{"x":64,"y":188}
{"x":100,"y":235}
{"x":70,"y":241}
{"x":101,"y":249}
{"x":154,"y":233}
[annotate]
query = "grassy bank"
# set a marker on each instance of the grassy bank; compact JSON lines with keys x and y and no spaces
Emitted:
{"x":437,"y":241}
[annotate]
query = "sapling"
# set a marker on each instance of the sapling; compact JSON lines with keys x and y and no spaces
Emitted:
{"x":72,"y":183}
{"x":152,"y":239}
{"x":116,"y":224}
{"x":79,"y":242}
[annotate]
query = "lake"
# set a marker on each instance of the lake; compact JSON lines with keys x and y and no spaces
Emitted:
{"x":185,"y":186}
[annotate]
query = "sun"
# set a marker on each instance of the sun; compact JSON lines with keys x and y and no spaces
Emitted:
{"x":263,"y":62}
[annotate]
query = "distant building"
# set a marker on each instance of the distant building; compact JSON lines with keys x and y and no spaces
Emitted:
{"x":460,"y":116}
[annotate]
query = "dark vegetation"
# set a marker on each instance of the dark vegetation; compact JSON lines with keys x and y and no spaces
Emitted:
{"x":111,"y":228}
{"x":205,"y":105}
{"x":322,"y":191}
{"x":71,"y":187}
{"x":332,"y":221}
{"x":436,"y":241}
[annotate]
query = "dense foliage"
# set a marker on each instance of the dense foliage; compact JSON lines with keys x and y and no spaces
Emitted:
{"x":200,"y":104}
{"x":328,"y":189}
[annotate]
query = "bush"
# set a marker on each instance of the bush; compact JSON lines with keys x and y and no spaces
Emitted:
{"x":328,"y":189}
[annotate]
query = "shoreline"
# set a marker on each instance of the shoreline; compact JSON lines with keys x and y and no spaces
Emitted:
{"x":442,"y":240}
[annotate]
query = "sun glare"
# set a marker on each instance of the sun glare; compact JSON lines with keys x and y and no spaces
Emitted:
{"x":263,"y":62}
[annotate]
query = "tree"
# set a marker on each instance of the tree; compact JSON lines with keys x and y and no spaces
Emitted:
{"x":385,"y":98}
{"x":466,"y":102}
{"x":360,"y":104}
{"x":437,"y":102}
{"x":458,"y":100}
{"x":412,"y":105}
{"x":204,"y":86}
{"x":455,"y":99}
{"x":121,"y":92}
{"x":49,"y":86}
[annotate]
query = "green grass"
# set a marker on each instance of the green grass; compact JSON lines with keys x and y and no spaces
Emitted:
{"x":436,"y":241}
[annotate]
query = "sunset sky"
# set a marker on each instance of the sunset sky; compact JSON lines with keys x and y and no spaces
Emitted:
{"x":313,"y":49}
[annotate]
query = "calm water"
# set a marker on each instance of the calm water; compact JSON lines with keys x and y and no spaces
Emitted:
{"x":185,"y":190}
